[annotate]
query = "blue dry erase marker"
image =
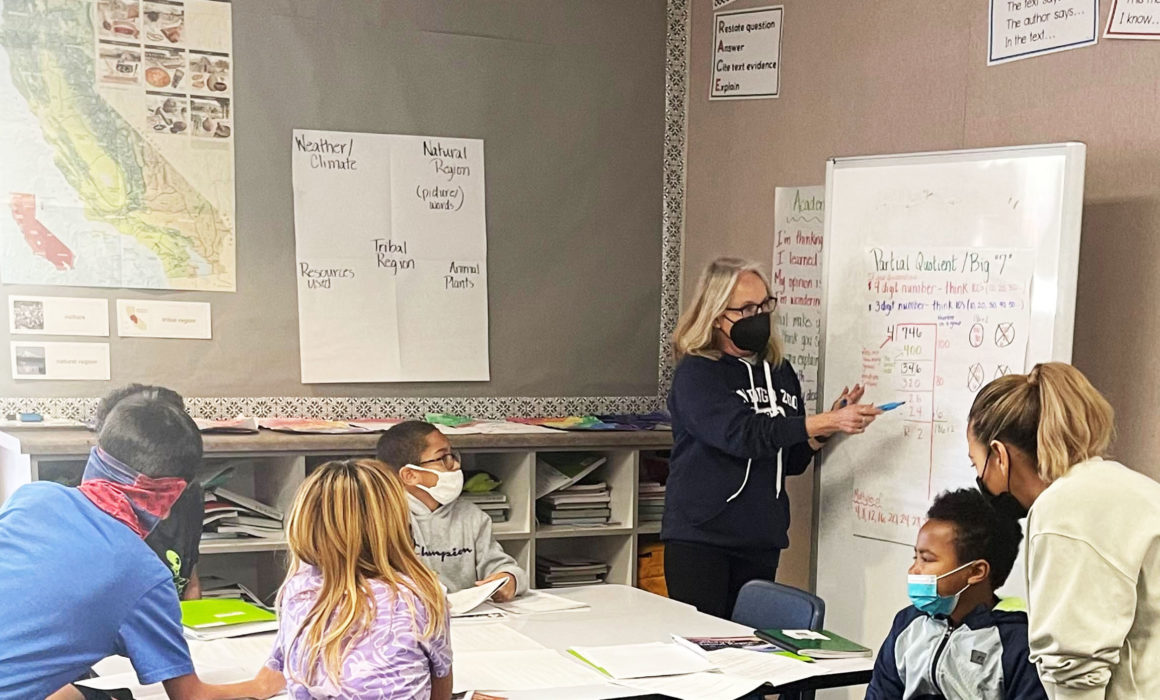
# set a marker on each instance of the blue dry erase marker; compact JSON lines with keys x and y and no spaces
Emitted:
{"x":890,"y":406}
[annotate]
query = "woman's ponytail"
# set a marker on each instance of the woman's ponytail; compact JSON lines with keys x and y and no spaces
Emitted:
{"x":1076,"y":422}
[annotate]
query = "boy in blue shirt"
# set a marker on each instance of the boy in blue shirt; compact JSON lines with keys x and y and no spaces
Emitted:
{"x":958,"y":641}
{"x":79,"y":582}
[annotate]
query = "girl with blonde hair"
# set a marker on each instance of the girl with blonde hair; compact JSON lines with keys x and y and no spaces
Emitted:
{"x":359,"y":615}
{"x":739,"y":429}
{"x":1038,"y":442}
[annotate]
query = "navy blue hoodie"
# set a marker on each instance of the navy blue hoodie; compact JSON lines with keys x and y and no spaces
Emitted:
{"x":733,"y":422}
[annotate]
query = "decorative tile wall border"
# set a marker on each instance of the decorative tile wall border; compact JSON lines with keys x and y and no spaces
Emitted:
{"x":338,"y":408}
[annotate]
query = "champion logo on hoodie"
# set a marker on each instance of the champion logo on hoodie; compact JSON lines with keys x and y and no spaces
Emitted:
{"x":442,"y":554}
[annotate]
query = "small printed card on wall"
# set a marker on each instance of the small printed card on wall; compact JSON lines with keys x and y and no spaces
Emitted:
{"x":58,"y":316}
{"x":1021,"y":29}
{"x":746,"y":54}
{"x":148,"y":318}
{"x":1133,"y":19}
{"x":60,"y":361}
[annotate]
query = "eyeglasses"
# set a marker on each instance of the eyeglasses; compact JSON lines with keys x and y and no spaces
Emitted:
{"x":751,"y":310}
{"x":449,"y":460}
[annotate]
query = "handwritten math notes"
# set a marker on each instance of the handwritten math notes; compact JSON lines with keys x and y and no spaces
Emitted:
{"x":938,"y":324}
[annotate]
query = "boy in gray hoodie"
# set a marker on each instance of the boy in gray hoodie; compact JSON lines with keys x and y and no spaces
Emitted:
{"x":452,"y":536}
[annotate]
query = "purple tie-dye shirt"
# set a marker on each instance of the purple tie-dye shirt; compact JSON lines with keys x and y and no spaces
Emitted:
{"x":391,"y":661}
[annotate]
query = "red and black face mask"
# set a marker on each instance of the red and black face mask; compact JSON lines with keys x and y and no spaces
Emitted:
{"x":137,"y":500}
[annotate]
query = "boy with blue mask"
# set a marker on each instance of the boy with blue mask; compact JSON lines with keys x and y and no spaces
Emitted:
{"x":452,"y":536}
{"x":957,"y":640}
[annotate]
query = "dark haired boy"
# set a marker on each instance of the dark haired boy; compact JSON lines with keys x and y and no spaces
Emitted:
{"x":958,"y":640}
{"x":177,"y":538}
{"x":452,"y":536}
{"x":79,"y":582}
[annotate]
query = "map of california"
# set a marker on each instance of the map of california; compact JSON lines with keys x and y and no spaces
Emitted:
{"x":117,"y":135}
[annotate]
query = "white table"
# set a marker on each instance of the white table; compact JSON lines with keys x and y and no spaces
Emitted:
{"x":626,"y":615}
{"x":620,"y":615}
{"x":616,"y":615}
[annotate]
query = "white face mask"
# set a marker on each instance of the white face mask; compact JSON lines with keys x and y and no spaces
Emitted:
{"x":447,"y":489}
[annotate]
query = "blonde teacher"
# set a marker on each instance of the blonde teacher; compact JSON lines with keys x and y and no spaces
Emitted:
{"x":1038,"y":443}
{"x":739,"y":429}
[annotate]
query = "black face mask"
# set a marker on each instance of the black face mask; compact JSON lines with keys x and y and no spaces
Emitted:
{"x":752,"y":334}
{"x":1005,"y":504}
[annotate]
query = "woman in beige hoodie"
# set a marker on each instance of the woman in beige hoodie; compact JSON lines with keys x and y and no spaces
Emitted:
{"x":1037,"y":442}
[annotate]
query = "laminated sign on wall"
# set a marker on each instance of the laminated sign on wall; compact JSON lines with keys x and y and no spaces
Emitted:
{"x":746,"y":54}
{"x":391,"y":244}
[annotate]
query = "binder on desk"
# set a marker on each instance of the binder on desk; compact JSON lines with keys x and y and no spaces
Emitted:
{"x":815,"y":645}
{"x":217,"y":618}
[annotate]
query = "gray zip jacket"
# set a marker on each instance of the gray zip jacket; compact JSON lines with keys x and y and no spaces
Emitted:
{"x":455,"y":541}
{"x":984,"y":658}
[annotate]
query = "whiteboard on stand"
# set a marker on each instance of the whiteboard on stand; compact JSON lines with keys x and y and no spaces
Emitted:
{"x":941,"y":272}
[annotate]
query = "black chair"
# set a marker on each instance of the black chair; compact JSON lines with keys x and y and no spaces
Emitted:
{"x":769,"y":605}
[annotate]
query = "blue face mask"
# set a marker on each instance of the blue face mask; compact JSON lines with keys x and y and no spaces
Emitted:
{"x":923,"y":592}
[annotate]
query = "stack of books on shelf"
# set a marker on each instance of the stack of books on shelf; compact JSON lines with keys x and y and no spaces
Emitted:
{"x":651,"y":496}
{"x":585,"y":504}
{"x":566,"y":572}
{"x":232,"y":516}
{"x":494,"y":503}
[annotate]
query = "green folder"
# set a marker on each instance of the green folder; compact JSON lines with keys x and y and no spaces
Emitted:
{"x":823,"y":645}
{"x":215,"y":618}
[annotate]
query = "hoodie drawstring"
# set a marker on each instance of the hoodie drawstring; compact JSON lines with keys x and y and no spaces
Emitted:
{"x":753,"y":398}
{"x":769,"y":388}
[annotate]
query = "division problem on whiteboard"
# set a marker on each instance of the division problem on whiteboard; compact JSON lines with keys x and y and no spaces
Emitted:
{"x":939,"y":323}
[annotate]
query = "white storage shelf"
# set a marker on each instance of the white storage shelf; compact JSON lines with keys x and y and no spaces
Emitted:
{"x":271,"y":467}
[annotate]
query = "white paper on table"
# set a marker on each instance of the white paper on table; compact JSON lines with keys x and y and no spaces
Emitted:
{"x":520,"y":670}
{"x":128,"y":681}
{"x":845,"y":665}
{"x":221,"y":661}
{"x":602,"y":691}
{"x":539,"y":602}
{"x":774,"y":669}
{"x":468,"y":599}
{"x":58,"y":316}
{"x":489,"y":637}
{"x":151,"y":318}
{"x":695,"y":686}
{"x":62,"y":361}
{"x":249,"y":652}
{"x":622,"y":661}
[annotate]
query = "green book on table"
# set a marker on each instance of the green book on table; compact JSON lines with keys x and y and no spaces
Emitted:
{"x":815,"y":645}
{"x":218,"y":618}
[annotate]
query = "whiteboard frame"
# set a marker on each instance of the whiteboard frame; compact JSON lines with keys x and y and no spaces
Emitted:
{"x":1058,"y":272}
